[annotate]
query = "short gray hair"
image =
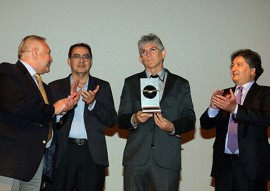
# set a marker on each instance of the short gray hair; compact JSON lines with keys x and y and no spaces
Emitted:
{"x":151,"y":38}
{"x":24,"y":45}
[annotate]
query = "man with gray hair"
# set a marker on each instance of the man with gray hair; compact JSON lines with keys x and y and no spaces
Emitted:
{"x":152,"y":156}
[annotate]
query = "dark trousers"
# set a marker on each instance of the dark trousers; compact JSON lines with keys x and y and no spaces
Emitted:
{"x":150,"y":175}
{"x":78,"y":171}
{"x":233,"y":178}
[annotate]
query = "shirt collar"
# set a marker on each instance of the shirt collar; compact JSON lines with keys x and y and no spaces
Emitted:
{"x":247,"y":86}
{"x":85,"y":85}
{"x":161,"y":74}
{"x":29,"y":68}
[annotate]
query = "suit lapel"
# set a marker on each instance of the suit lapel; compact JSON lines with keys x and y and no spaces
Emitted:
{"x":251,"y":94}
{"x":91,"y":83}
{"x":27,"y":75}
{"x":168,"y":85}
{"x":91,"y":86}
{"x":137,"y":85}
{"x":66,"y":86}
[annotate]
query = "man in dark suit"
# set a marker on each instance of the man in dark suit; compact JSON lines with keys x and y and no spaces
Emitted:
{"x":81,"y":150}
{"x":25,"y":116}
{"x":152,"y":155}
{"x":247,"y":166}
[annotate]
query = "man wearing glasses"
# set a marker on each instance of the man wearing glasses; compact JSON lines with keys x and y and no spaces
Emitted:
{"x":152,"y":156}
{"x":82,"y":152}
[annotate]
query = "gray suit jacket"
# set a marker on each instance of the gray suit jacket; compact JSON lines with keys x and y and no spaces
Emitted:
{"x":103,"y":115}
{"x":176,"y":106}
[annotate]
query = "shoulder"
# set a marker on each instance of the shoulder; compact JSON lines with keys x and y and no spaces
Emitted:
{"x":59,"y":81}
{"x":7,"y":67}
{"x":99,"y":81}
{"x":176,"y":78}
{"x":265,"y":89}
{"x":136,"y":76}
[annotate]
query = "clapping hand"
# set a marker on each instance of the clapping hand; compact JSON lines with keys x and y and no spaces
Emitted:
{"x":226,"y":102}
{"x":89,"y":96}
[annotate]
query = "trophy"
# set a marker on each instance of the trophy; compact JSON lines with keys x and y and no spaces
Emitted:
{"x":150,"y":95}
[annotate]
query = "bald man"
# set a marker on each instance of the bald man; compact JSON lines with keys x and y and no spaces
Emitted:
{"x":25,"y":116}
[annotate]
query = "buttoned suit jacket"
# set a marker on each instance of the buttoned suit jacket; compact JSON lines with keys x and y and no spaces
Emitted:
{"x":24,"y":122}
{"x":253,"y":142}
{"x":101,"y":116}
{"x":176,"y":106}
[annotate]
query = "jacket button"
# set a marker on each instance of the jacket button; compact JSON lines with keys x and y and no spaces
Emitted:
{"x":44,"y":142}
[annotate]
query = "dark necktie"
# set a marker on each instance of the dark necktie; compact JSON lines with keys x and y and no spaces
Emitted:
{"x":233,"y":127}
{"x":157,"y":76}
{"x":154,"y":76}
{"x":45,"y":98}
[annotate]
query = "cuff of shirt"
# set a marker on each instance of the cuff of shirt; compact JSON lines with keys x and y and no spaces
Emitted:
{"x":212,"y":112}
{"x":134,"y":125}
{"x":235,"y":110}
{"x":92,"y":106}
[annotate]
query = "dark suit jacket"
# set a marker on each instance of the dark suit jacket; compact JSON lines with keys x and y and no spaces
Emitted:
{"x":176,"y":105}
{"x":24,"y":122}
{"x":103,"y":115}
{"x":252,"y":135}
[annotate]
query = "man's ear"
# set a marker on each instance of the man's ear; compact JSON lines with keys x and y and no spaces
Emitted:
{"x":140,"y":59}
{"x":253,"y":72}
{"x":35,"y":52}
{"x":68,"y":61}
{"x":163,"y":53}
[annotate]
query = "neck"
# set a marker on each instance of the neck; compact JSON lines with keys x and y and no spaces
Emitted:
{"x":154,"y":71}
{"x":81,"y":78}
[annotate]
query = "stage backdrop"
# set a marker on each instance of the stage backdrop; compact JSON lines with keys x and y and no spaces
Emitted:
{"x":199,"y":37}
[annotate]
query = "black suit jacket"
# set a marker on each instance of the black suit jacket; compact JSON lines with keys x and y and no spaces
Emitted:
{"x":103,"y":115}
{"x":24,"y":122}
{"x":252,"y":135}
{"x":176,"y":105}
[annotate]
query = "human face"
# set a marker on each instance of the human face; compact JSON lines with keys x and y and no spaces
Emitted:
{"x":80,"y":61}
{"x":241,"y":72}
{"x":151,"y":57}
{"x":44,"y":58}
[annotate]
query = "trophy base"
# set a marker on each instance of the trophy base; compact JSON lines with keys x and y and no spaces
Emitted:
{"x":151,"y":110}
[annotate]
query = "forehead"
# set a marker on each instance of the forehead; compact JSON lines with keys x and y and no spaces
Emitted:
{"x":149,"y":45}
{"x":80,"y":50}
{"x":239,"y":59}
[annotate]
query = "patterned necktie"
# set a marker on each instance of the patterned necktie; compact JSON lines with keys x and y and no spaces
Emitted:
{"x":45,"y":98}
{"x":233,"y":127}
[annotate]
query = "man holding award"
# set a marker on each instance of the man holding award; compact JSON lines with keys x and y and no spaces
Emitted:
{"x":156,"y":107}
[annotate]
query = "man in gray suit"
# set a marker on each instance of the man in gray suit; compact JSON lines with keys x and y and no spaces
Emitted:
{"x":152,"y":156}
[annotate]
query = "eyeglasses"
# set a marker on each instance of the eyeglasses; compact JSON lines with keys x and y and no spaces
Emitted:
{"x":77,"y":57}
{"x":151,"y":51}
